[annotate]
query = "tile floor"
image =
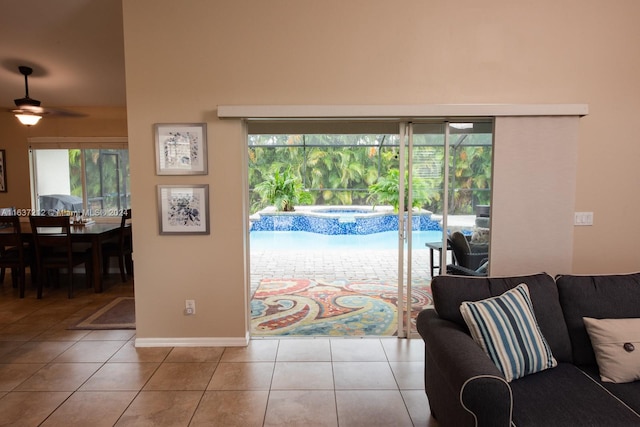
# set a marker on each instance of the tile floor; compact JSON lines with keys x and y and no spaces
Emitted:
{"x":53,"y":376}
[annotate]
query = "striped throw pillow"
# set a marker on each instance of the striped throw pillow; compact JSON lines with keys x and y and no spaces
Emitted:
{"x":506,"y":329}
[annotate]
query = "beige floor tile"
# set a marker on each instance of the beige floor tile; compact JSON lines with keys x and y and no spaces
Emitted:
{"x":418,"y":406}
{"x":304,"y":349}
{"x":302,"y":376}
{"x":231,"y":409}
{"x":59,"y":377}
{"x":404,"y":350}
{"x":87,"y":408}
{"x":301,"y":408}
{"x":8,"y":346}
{"x":110,"y":335}
{"x":129,"y":353}
{"x":409,"y":375}
{"x":61,"y":335}
{"x":36,"y":352}
{"x":281,"y":382}
{"x":29,"y":408}
{"x":195,"y":354}
{"x":10,"y":315}
{"x":363,"y":376}
{"x":20,"y":332}
{"x":256,"y":351}
{"x":242,"y":376}
{"x":357,"y":408}
{"x":53,"y":309}
{"x":43,"y":319}
{"x":11,"y":375}
{"x":181,"y":376}
{"x":90,"y":351}
{"x":357,"y":350}
{"x":120,"y":376}
{"x":161,"y":408}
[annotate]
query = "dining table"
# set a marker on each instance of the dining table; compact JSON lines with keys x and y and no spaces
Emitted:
{"x":94,"y":234}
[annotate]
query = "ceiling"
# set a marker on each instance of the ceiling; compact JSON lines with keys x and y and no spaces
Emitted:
{"x":75,"y":47}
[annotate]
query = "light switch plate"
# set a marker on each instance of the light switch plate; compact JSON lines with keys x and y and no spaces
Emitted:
{"x":583,"y":218}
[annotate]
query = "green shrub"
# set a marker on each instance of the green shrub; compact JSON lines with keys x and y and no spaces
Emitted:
{"x":386,"y":191}
{"x":283,"y":190}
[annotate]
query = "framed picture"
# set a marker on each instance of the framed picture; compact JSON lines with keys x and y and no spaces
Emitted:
{"x":181,"y":149}
{"x":183,"y":209}
{"x":3,"y":172}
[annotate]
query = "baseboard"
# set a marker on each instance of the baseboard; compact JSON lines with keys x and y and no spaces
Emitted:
{"x":193,"y":342}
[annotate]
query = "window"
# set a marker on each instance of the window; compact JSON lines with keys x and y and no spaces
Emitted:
{"x":88,"y":176}
{"x":339,"y":168}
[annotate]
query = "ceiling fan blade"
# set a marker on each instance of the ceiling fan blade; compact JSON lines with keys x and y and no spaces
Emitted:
{"x":61,"y":112}
{"x":42,"y":111}
{"x":29,"y":109}
{"x":32,"y":106}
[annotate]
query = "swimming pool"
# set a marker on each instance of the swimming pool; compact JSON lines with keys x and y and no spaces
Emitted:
{"x":307,"y":241}
{"x":339,"y":220}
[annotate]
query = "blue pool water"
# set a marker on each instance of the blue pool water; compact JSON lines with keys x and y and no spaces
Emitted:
{"x":304,"y":240}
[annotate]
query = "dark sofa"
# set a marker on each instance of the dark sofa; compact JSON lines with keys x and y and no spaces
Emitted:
{"x":465,"y":388}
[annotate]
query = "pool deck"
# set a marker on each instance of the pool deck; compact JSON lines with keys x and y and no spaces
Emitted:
{"x":353,"y":264}
{"x":331,"y":265}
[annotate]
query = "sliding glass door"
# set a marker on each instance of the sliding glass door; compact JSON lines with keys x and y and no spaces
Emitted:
{"x":373,"y":205}
{"x":448,"y":178}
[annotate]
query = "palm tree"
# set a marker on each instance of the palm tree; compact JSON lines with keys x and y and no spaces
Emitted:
{"x":283,"y":190}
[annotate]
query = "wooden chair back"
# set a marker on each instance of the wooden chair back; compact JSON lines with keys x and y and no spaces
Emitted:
{"x":54,"y":248}
{"x":12,"y":250}
{"x":10,"y":233}
{"x":122,"y":248}
{"x":51,"y":234}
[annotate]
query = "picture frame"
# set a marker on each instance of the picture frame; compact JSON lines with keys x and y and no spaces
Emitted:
{"x":181,"y":148}
{"x":3,"y":172}
{"x":183,"y":209}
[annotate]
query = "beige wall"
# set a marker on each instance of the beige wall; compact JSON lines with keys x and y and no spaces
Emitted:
{"x":185,"y":58}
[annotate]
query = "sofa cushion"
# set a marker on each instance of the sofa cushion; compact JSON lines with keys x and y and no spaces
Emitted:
{"x":599,"y":297}
{"x":629,"y":393}
{"x":506,"y":329}
{"x":450,"y":291}
{"x":565,"y":396}
{"x":616,"y":343}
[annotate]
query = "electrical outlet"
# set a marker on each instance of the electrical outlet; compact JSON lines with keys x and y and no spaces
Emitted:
{"x":190,"y":307}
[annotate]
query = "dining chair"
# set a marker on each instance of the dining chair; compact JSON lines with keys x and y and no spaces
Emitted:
{"x":13,"y":252}
{"x":54,"y":250}
{"x":122,"y":248}
{"x":8,"y":211}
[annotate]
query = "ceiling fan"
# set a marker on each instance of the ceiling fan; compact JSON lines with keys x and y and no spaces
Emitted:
{"x":28,"y":110}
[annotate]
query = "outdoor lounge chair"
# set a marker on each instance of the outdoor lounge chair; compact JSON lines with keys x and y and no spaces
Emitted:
{"x":469,"y":259}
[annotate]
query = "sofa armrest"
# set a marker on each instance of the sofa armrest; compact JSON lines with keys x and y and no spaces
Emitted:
{"x":463,"y":385}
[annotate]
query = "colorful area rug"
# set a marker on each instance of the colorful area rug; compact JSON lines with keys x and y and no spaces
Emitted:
{"x":118,"y":314}
{"x":293,"y":307}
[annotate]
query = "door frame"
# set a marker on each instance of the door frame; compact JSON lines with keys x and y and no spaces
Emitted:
{"x":383,"y":113}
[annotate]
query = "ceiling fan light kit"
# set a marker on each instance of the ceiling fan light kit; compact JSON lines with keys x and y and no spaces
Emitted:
{"x":27,"y":107}
{"x":28,"y":119}
{"x":29,"y":111}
